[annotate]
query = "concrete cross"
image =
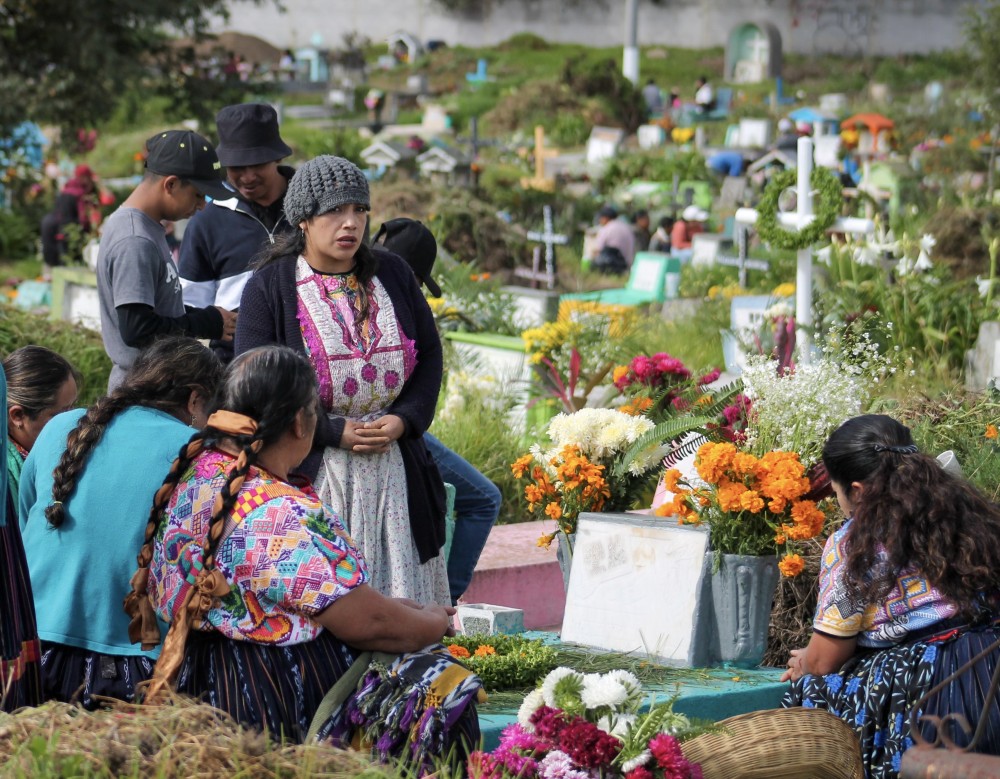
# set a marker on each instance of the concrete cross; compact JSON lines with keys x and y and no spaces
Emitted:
{"x":551,"y":239}
{"x":539,"y":180}
{"x":802,"y":217}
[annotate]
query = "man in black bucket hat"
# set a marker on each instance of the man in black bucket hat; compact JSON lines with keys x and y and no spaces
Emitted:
{"x":221,"y":243}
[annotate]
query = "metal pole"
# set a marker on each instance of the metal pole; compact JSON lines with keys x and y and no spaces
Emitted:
{"x":630,"y":57}
{"x":803,"y":273}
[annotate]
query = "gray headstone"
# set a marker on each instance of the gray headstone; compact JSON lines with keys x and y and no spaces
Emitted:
{"x":982,"y":362}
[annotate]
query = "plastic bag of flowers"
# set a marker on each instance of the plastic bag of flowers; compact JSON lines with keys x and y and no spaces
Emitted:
{"x":579,"y":726}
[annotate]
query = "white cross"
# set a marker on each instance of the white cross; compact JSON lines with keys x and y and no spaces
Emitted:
{"x":550,"y":239}
{"x":800,"y":219}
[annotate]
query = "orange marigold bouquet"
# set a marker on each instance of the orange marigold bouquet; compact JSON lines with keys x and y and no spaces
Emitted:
{"x":752,"y":506}
{"x":584,"y":469}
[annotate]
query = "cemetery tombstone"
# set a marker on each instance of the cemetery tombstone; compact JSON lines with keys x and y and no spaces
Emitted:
{"x":753,"y":53}
{"x":403,"y":47}
{"x":982,"y":362}
{"x":622,"y":566}
{"x":651,"y":136}
{"x":75,"y":298}
{"x":388,"y":154}
{"x":445,"y":164}
{"x":435,"y":119}
{"x":604,"y":143}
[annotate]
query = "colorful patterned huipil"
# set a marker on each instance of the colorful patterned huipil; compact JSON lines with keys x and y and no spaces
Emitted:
{"x":361,"y":371}
{"x":285,"y":555}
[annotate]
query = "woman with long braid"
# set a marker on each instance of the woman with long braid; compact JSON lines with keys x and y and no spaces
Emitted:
{"x":85,"y":493}
{"x":39,"y":385}
{"x":268,"y":599}
{"x":357,"y":313}
{"x":907,"y":624}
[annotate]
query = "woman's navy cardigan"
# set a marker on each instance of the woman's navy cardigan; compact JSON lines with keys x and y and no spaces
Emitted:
{"x":268,"y":315}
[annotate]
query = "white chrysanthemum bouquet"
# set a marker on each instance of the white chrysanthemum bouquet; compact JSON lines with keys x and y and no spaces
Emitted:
{"x":579,"y":725}
{"x":578,"y":472}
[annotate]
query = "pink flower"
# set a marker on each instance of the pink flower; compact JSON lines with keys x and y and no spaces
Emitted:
{"x":643,"y":368}
{"x":639,"y":773}
{"x":709,"y":377}
{"x":666,"y":364}
{"x":369,"y":372}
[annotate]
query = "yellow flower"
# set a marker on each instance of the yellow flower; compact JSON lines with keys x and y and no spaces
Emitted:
{"x":791,"y":565}
{"x":991,"y":433}
{"x":785,"y":290}
{"x":619,"y":373}
{"x":553,"y":510}
{"x":484,"y":649}
{"x":544,"y":542}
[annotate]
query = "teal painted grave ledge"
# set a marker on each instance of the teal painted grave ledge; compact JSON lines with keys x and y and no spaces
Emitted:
{"x":714,"y":694}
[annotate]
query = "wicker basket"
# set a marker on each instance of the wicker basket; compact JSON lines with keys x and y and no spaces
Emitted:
{"x":779,"y":744}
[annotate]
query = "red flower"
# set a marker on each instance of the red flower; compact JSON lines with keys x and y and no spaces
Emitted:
{"x":587,"y":745}
{"x":548,"y":722}
{"x":639,"y":773}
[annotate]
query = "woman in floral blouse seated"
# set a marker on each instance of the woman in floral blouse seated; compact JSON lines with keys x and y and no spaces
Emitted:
{"x":273,"y":590}
{"x":908,"y":594}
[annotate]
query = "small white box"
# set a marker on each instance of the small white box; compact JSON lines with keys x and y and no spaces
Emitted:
{"x":486,"y":619}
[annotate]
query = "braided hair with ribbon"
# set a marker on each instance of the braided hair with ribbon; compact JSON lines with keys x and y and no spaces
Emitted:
{"x":261,"y":395}
{"x":925,"y":518}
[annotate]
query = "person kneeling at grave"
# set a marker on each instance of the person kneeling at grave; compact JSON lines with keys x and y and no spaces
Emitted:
{"x":614,"y":245}
{"x":268,"y":598}
{"x":907,"y":620}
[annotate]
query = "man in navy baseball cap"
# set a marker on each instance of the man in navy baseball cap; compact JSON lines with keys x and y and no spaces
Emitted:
{"x":190,"y":157}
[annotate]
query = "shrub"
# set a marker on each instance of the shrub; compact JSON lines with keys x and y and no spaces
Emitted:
{"x":82,"y":347}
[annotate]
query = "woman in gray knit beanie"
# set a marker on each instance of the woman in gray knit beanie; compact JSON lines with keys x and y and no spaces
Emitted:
{"x":358,"y":315}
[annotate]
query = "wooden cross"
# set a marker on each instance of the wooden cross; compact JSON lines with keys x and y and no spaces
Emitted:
{"x":551,"y":239}
{"x":539,"y":181}
{"x":742,"y":261}
{"x":803,"y":216}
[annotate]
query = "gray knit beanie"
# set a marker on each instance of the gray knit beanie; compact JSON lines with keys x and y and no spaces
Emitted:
{"x":321,"y":185}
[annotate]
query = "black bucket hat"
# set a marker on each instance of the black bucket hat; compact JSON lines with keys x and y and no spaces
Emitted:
{"x":248,"y":135}
{"x":412,"y":241}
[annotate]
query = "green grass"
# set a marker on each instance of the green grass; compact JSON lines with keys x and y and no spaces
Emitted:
{"x":83,"y":348}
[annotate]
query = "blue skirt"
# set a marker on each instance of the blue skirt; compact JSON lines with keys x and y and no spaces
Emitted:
{"x":74,"y":675}
{"x":261,"y":686}
{"x":876,"y":692}
{"x":20,"y":679}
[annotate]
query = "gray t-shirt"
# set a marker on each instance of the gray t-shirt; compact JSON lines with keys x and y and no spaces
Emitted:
{"x":133,"y":266}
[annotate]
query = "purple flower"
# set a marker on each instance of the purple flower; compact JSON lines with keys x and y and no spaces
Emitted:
{"x":350,"y":386}
{"x":391,"y":379}
{"x":369,"y":373}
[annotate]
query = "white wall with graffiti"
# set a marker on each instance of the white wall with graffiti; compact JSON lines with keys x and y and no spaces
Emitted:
{"x":806,"y":26}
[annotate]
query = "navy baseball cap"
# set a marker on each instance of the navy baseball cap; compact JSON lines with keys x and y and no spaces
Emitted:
{"x":189,"y":156}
